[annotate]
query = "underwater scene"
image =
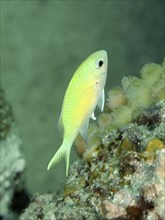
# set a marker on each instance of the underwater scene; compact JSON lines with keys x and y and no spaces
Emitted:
{"x":82,"y":110}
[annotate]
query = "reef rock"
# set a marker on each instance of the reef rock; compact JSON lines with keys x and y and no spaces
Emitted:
{"x":13,"y":195}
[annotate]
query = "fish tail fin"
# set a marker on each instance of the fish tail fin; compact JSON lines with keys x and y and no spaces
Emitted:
{"x":63,"y":151}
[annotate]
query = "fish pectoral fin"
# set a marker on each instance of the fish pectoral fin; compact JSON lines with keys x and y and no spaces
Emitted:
{"x":63,"y":151}
{"x":101,"y":101}
{"x":93,"y":116}
{"x":84,"y":130}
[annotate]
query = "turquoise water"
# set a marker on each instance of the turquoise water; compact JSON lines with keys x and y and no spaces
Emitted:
{"x":43,"y":42}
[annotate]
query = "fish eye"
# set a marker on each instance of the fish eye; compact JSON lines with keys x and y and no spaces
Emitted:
{"x":99,"y":64}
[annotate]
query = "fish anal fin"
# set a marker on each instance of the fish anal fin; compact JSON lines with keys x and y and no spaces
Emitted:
{"x":84,"y":130}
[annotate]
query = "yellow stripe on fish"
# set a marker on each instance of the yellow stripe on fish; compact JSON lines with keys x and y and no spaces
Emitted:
{"x":84,"y":92}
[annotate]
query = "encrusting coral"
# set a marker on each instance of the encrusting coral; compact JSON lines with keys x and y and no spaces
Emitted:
{"x":121,"y":175}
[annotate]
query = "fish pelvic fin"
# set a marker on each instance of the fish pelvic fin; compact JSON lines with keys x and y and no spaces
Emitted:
{"x":63,"y":152}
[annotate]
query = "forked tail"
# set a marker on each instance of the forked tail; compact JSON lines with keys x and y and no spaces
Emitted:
{"x":63,"y":151}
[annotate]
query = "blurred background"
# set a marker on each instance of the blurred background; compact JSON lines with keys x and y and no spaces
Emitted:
{"x":42,"y":44}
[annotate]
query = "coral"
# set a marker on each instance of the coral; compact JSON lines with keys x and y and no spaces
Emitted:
{"x":122,"y":174}
{"x":12,"y":165}
{"x":115,"y":98}
{"x":140,"y":92}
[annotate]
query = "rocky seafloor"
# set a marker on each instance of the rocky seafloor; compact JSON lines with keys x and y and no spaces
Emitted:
{"x":121,"y":173}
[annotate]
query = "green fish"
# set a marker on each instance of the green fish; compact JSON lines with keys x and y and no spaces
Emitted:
{"x":85,"y":91}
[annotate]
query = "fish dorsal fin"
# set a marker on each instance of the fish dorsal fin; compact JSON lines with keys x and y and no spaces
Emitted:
{"x":84,"y":130}
{"x":101,"y":100}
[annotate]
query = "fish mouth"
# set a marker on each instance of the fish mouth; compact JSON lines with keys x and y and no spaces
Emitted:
{"x":105,"y":52}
